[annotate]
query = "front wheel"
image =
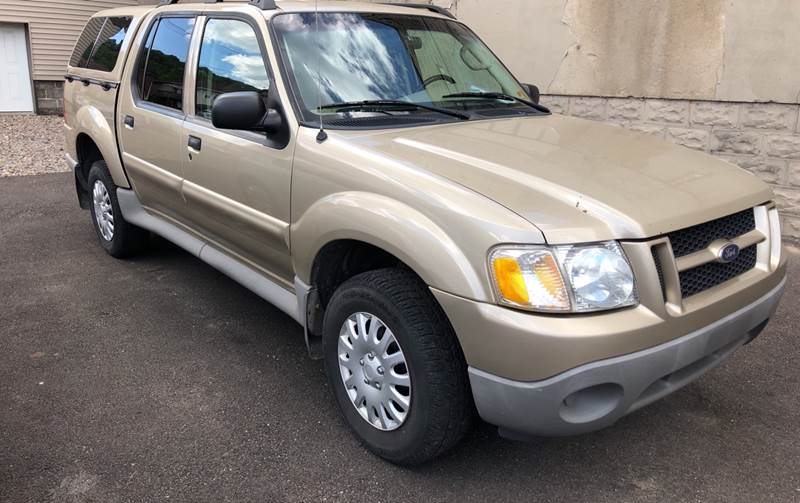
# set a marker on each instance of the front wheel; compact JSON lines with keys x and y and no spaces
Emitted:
{"x":118,"y":237}
{"x":395,"y":366}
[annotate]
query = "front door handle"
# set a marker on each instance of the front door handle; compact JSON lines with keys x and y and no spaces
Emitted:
{"x":129,"y":121}
{"x":195,"y":143}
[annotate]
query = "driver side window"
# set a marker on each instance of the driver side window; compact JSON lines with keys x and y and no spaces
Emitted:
{"x":230,"y":60}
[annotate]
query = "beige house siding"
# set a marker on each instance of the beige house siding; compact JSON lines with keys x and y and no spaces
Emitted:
{"x":53,"y":28}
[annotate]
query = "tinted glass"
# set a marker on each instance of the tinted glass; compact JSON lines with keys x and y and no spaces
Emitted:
{"x":163,"y":62}
{"x":104,"y":56}
{"x":85,"y":44}
{"x":230,"y":60}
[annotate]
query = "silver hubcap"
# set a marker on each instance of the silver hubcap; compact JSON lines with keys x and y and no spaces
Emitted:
{"x":374,"y":371}
{"x":103,"y":212}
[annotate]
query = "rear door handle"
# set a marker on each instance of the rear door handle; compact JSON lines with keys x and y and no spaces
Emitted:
{"x":195,"y":143}
{"x":129,"y":121}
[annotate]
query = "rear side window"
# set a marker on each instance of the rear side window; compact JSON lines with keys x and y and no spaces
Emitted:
{"x":230,"y":60}
{"x":83,"y":49}
{"x":99,"y":44}
{"x":162,"y":63}
{"x":106,"y":50}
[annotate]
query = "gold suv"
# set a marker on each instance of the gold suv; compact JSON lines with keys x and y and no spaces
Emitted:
{"x":447,"y":243}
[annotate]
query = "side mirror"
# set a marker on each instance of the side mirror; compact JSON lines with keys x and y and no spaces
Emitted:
{"x":244,"y":110}
{"x":532,"y":91}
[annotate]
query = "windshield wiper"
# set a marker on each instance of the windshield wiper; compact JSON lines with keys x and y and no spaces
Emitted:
{"x":501,"y":96}
{"x":367,"y":104}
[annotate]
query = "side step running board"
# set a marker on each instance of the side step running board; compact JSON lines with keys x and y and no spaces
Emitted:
{"x":283,"y":299}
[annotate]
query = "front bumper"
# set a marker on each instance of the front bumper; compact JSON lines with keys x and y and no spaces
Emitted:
{"x":597,"y":394}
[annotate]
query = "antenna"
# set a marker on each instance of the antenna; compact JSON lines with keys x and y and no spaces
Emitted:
{"x":322,"y":135}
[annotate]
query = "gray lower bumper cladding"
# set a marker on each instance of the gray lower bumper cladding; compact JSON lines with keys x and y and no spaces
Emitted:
{"x":596,"y":395}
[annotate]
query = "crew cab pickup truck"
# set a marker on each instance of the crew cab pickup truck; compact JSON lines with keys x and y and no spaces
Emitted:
{"x":447,"y":244}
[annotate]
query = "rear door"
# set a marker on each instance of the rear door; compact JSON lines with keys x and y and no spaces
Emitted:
{"x":237,"y":183}
{"x":151,"y":112}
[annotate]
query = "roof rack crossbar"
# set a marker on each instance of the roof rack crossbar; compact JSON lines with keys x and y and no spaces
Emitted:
{"x":426,"y":6}
{"x":264,"y":4}
{"x":171,"y":2}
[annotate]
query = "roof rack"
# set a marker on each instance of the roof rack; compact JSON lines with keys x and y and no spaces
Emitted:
{"x":426,"y":6}
{"x":171,"y":2}
{"x":264,"y":4}
{"x":261,"y":4}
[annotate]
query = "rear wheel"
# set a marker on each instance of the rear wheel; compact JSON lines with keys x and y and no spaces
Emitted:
{"x":395,"y":366}
{"x":118,"y":237}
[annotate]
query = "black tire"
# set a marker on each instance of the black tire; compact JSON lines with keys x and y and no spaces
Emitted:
{"x":126,"y":239}
{"x":441,"y":408}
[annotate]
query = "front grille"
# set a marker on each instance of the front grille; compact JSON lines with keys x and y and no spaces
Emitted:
{"x":701,"y":278}
{"x":698,"y":237}
{"x":660,"y":271}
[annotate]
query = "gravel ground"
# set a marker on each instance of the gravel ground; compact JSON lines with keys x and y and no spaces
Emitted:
{"x":159,"y":379}
{"x":31,"y":144}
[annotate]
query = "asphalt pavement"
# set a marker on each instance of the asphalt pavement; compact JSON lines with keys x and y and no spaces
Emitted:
{"x":160,"y":379}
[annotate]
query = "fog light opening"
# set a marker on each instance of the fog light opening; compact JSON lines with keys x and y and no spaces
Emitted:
{"x":591,"y":404}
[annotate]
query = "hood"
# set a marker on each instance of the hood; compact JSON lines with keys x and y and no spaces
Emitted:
{"x":576,"y":180}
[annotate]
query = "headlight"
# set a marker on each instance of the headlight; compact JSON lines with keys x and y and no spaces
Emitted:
{"x":581,"y":278}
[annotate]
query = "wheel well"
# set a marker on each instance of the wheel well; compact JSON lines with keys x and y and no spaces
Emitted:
{"x":334,"y":264}
{"x":339,"y":261}
{"x":88,"y":154}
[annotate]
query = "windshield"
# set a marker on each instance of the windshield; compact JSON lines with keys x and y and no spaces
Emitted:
{"x":353,"y":57}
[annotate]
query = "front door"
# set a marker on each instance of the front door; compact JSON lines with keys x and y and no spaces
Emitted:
{"x":15,"y":77}
{"x":237,"y":183}
{"x":151,"y":113}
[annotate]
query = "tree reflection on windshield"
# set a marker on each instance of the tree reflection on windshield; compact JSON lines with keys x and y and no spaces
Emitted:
{"x":358,"y":58}
{"x":352,"y":57}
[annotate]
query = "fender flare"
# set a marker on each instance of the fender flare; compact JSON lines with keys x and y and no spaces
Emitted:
{"x":392,"y":226}
{"x":91,"y":122}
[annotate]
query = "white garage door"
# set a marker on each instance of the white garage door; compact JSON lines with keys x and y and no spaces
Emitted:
{"x":15,"y":80}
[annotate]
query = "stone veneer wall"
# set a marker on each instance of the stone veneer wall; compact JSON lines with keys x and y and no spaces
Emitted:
{"x":763,"y":138}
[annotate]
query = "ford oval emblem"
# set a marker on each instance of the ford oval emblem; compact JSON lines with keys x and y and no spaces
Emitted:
{"x":728,"y":253}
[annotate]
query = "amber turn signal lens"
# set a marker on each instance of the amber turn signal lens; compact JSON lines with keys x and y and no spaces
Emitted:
{"x":510,"y":281}
{"x":529,"y":278}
